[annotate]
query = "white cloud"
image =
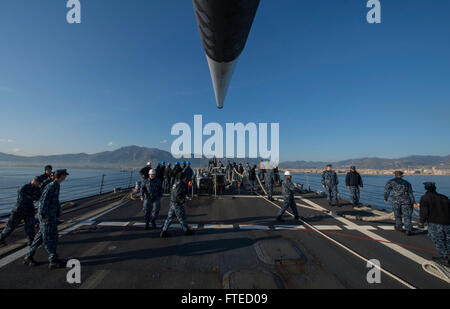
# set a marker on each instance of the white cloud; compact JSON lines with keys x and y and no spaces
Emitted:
{"x":110,"y":144}
{"x":164,"y":141}
{"x":6,"y":140}
{"x":16,"y":150}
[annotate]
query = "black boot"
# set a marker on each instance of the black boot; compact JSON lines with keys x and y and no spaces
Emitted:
{"x":164,"y":234}
{"x":56,"y":264}
{"x":29,"y":260}
{"x":154,"y":225}
{"x":147,"y":226}
{"x":279,"y":218}
{"x":408,"y":233}
{"x":3,"y":242}
{"x":399,"y":228}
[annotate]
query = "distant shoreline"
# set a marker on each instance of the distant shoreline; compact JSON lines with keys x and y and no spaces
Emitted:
{"x":374,"y":172}
{"x":339,"y":171}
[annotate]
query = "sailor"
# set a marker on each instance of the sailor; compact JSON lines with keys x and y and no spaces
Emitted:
{"x":353,"y":181}
{"x":234,"y":169}
{"x":176,"y":170}
{"x":24,"y":210}
{"x":162,"y":168}
{"x":183,"y":165}
{"x":177,"y":201}
{"x":252,"y":178}
{"x":167,"y":178}
{"x":47,"y":181}
{"x":188,"y":171}
{"x":276,"y":175}
{"x":288,"y":190}
{"x":402,"y":201}
{"x":268,"y":182}
{"x":145,"y":170}
{"x":247,"y":168}
{"x":220,"y":165}
{"x":435,"y":209}
{"x":228,"y":171}
{"x":261,"y":171}
{"x":47,"y":173}
{"x":151,"y":193}
{"x":48,"y":210}
{"x":330,"y":183}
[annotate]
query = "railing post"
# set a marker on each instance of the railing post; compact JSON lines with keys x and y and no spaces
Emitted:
{"x":131,"y":178}
{"x":101,"y":184}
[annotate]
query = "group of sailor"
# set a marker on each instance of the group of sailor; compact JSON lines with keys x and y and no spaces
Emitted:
{"x":45,"y":189}
{"x":161,"y":180}
{"x":434,"y":207}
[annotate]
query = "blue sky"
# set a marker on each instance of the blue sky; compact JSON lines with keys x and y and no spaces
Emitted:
{"x":339,"y":87}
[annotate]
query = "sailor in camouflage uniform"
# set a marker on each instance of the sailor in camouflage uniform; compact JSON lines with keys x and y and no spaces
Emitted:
{"x":177,"y":201}
{"x":268,"y":182}
{"x":49,"y":208}
{"x":330,"y":182}
{"x":151,"y":193}
{"x":288,"y":190}
{"x":402,"y":201}
{"x":24,"y":210}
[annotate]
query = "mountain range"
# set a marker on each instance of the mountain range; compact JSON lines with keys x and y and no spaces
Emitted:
{"x":135,"y":156}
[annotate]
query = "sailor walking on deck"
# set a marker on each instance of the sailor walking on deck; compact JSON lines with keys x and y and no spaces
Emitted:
{"x":151,"y":193}
{"x":24,"y":210}
{"x":268,"y":182}
{"x":49,"y":208}
{"x":353,"y":181}
{"x":402,"y":200}
{"x":435,"y":209}
{"x":330,"y":183}
{"x":177,"y":201}
{"x":288,"y":190}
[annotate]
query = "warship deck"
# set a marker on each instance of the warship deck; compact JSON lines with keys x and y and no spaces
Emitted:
{"x":238,"y":244}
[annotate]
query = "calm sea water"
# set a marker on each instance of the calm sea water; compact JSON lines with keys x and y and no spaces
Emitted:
{"x":80,"y":183}
{"x":373,"y":192}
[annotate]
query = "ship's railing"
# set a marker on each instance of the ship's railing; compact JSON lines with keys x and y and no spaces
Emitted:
{"x":76,"y":188}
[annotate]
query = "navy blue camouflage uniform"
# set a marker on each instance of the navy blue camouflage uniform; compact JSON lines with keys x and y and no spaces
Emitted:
{"x":330,"y":181}
{"x":177,"y":200}
{"x":151,"y":191}
{"x":288,"y":190}
{"x":49,"y":208}
{"x":268,"y":182}
{"x":402,"y":200}
{"x":23,"y":210}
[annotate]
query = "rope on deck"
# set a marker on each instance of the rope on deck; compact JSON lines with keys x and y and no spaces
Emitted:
{"x":389,"y":216}
{"x":437,"y":270}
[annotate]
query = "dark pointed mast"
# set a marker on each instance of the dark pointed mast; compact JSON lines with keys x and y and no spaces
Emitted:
{"x":224,"y":27}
